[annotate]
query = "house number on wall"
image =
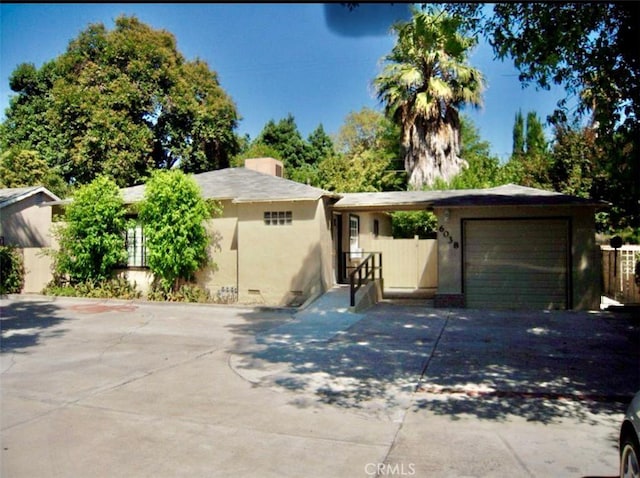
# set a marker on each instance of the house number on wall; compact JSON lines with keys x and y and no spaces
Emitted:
{"x":447,"y":235}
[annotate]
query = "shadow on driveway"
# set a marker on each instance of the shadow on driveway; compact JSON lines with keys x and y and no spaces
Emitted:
{"x":539,"y":365}
{"x":374,"y":362}
{"x":25,"y":322}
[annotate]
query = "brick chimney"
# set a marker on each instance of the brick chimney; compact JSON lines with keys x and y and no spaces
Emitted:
{"x":265,"y":165}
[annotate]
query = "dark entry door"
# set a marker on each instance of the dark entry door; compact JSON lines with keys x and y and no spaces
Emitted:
{"x":340,"y":259}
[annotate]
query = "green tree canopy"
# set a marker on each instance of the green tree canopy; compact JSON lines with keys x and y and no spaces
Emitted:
{"x":367,"y":156}
{"x":484,"y":170}
{"x":518,"y":135}
{"x":285,"y":138}
{"x":591,"y":50}
{"x":536,"y":142}
{"x":20,"y":168}
{"x":575,"y":160}
{"x":91,"y":238}
{"x":121,"y":103}
{"x":301,"y":158}
{"x":320,"y":145}
{"x":425,"y":80}
{"x":530,"y":162}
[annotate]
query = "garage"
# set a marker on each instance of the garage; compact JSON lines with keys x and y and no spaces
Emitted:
{"x":507,"y":247}
{"x":516,"y":263}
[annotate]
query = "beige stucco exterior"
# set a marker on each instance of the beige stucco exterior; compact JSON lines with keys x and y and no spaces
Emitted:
{"x":283,"y":264}
{"x":26,"y":223}
{"x":265,"y":264}
{"x":223,"y":251}
{"x":584,"y":253}
{"x":37,"y":269}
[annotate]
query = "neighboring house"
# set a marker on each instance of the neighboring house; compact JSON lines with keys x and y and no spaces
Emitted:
{"x":25,"y":222}
{"x":272,"y":244}
{"x":24,"y":219}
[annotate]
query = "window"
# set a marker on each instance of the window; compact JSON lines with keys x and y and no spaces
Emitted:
{"x":354,"y":236}
{"x":136,"y":249}
{"x":278,"y":218}
{"x":376,"y":228}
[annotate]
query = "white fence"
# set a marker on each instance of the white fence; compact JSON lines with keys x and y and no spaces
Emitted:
{"x":619,"y":274}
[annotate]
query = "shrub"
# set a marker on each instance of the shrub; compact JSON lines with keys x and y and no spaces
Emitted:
{"x":184,"y":293}
{"x":115,"y":288}
{"x":11,"y":270}
{"x":91,"y":239}
{"x":173,"y":214}
{"x":407,"y":224}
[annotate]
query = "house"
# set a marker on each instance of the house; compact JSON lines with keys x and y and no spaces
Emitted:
{"x":25,"y":222}
{"x":272,"y":244}
{"x":504,"y":247}
{"x":280,"y":242}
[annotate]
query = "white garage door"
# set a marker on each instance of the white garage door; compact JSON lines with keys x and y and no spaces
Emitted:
{"x":516,"y":263}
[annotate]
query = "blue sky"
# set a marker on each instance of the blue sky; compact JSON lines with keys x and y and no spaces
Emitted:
{"x":312,"y":61}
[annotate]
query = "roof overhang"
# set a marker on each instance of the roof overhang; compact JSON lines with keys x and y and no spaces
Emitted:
{"x":28,"y":193}
{"x":501,"y":196}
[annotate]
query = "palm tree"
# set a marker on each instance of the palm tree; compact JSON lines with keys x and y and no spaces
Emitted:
{"x":425,"y":80}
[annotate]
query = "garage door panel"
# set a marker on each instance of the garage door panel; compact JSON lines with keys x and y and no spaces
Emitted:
{"x":516,"y":263}
{"x":534,"y":250}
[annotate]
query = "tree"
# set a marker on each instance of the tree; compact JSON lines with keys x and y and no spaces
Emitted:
{"x":285,"y":138}
{"x":575,"y":160}
{"x":530,"y":161}
{"x":425,"y":81}
{"x":255,"y":149}
{"x":483,"y":169}
{"x":91,"y":238}
{"x":368,"y":129}
{"x":320,"y":146}
{"x":407,"y":224}
{"x":518,"y":135}
{"x":11,"y":270}
{"x":591,"y":50}
{"x":173,"y":215}
{"x":368,"y":150}
{"x":582,"y":46}
{"x":535,"y":140}
{"x":121,"y":103}
{"x":20,"y":168}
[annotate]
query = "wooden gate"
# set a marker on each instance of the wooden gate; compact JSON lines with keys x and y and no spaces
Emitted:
{"x":408,"y":263}
{"x":619,"y":274}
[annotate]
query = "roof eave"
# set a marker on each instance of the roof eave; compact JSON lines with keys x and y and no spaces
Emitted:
{"x":28,"y":194}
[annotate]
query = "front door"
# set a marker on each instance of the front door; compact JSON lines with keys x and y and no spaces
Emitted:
{"x":339,"y":262}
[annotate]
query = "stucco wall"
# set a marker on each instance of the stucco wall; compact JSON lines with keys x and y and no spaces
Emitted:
{"x":366,"y":237}
{"x":283,"y":264}
{"x":273,"y":265}
{"x":26,"y":223}
{"x":37,"y":269}
{"x":585,"y":258}
{"x":223,"y":251}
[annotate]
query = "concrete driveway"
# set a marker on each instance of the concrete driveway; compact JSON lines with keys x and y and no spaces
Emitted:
{"x":111,"y":388}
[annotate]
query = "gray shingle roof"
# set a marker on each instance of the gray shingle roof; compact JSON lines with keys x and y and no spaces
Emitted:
{"x":507,"y":195}
{"x":11,"y":195}
{"x":243,"y":185}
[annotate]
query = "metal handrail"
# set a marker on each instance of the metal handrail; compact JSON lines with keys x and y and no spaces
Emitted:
{"x":368,"y":265}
